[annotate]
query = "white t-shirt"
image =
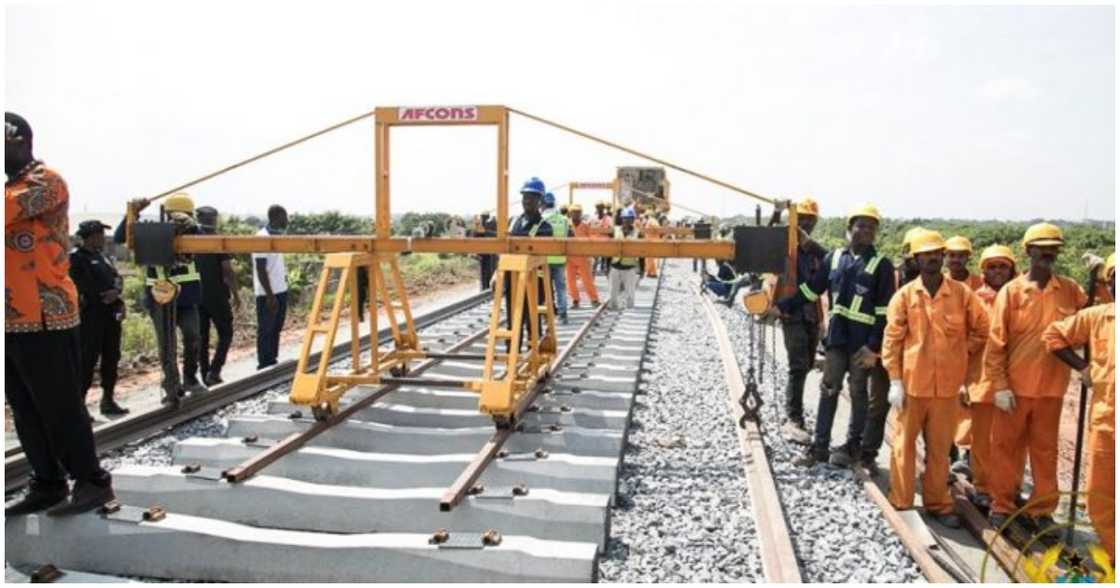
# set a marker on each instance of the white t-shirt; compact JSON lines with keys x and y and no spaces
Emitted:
{"x":277,"y":273}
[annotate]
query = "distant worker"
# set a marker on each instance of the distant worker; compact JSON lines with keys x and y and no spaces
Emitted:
{"x":530,"y":223}
{"x":651,"y":222}
{"x":933,"y":325}
{"x":801,"y":329}
{"x":487,"y":228}
{"x":1096,"y":326}
{"x":219,"y":284}
{"x":556,"y":263}
{"x":624,"y":270}
{"x":41,"y":348}
{"x":860,"y":283}
{"x":171,"y":296}
{"x":908,"y":269}
{"x":102,"y":309}
{"x":997,"y":263}
{"x":1029,"y":382}
{"x":456,"y":228}
{"x":579,"y":268}
{"x":270,"y":286}
{"x":603,"y":220}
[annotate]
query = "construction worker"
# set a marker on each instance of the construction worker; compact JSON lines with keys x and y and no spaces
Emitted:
{"x":933,"y":326}
{"x":41,"y":348}
{"x":908,"y":269}
{"x":958,"y":251}
{"x":624,"y":270}
{"x":1101,"y":293}
{"x":579,"y":268}
{"x":270,"y":286}
{"x":556,"y":263}
{"x":219,"y":284}
{"x":1028,"y":381}
{"x":860,"y":283}
{"x":102,"y":309}
{"x":604,"y":220}
{"x":801,"y":330}
{"x":530,"y":223}
{"x":650,"y":222}
{"x":487,"y":227}
{"x":172,"y":295}
{"x":1096,"y":326}
{"x":997,"y":263}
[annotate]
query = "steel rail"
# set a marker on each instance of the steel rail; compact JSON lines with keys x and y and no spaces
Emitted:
{"x":459,"y":488}
{"x":147,"y":424}
{"x":779,"y":561}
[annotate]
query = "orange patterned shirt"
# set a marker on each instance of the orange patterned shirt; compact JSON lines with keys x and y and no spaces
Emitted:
{"x":38,"y":292}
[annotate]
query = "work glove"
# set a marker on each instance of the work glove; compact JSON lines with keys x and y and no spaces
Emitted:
{"x":897,"y":396}
{"x":865,"y":357}
{"x":1005,"y":400}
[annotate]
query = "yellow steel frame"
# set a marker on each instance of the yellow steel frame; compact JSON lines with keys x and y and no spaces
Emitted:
{"x":322,"y":390}
{"x":531,"y":289}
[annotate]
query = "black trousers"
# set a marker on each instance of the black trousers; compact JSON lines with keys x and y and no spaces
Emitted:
{"x":800,"y":337}
{"x":219,"y":314}
{"x":42,"y":387}
{"x":186,"y":318}
{"x":100,"y":334}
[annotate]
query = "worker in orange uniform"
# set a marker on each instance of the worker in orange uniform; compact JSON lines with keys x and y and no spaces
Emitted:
{"x":997,"y":263}
{"x":933,"y":326}
{"x":580,"y":267}
{"x":1096,"y":326}
{"x":1101,"y":293}
{"x":958,"y":251}
{"x":908,"y":268}
{"x":604,"y":219}
{"x":1028,"y":381}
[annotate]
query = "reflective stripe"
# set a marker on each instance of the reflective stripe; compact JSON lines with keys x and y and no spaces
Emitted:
{"x":858,"y":317}
{"x":881,"y":310}
{"x":873,"y":264}
{"x":856,"y":303}
{"x":161,"y":274}
{"x":836,"y":258}
{"x":809,"y":294}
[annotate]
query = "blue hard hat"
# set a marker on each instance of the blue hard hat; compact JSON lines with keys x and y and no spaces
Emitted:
{"x":628,"y":213}
{"x":533,"y":185}
{"x":549,"y":200}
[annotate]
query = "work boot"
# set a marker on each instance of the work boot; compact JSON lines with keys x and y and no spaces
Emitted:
{"x":40,"y":496}
{"x":193,"y":386}
{"x":840,"y":456}
{"x":172,"y":398}
{"x":212,"y":379}
{"x":86,"y":496}
{"x":796,"y":433}
{"x":109,"y":407}
{"x":868,"y":462}
{"x":982,"y":501}
{"x":1044,"y":524}
{"x":810,"y":458}
{"x":948,"y":520}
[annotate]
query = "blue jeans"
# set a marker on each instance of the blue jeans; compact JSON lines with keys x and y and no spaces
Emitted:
{"x":559,"y":288}
{"x":269,"y":326}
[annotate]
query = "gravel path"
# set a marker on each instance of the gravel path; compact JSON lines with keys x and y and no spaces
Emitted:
{"x":683,"y":513}
{"x":839,"y":535}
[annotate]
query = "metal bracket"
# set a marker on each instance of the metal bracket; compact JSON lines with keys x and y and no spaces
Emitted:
{"x":539,"y":428}
{"x":195,"y":470}
{"x":526,"y":456}
{"x":46,"y":574}
{"x":481,"y":492}
{"x":115,"y":511}
{"x":550,"y":409}
{"x":465,"y":540}
{"x":256,"y":441}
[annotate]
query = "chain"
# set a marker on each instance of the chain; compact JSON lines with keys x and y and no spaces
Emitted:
{"x":750,"y":401}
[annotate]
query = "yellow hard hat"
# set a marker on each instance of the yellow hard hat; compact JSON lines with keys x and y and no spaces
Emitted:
{"x":808,"y":206}
{"x":179,"y":202}
{"x":1043,"y":234}
{"x":908,"y":238}
{"x":927,"y":241}
{"x":1110,"y":265}
{"x":958,"y":243}
{"x":866,"y":209}
{"x":993,"y":252}
{"x":575,"y":208}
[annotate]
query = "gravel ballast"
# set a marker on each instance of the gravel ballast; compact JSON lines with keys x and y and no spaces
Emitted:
{"x":683,"y":513}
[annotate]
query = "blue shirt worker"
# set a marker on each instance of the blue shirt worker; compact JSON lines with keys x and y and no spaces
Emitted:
{"x":529,"y":224}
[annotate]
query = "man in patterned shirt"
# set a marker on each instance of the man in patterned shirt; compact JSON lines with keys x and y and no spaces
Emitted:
{"x":41,"y":355}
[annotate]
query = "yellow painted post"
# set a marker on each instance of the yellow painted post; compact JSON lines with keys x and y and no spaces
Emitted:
{"x":381,"y":186}
{"x":503,"y":173}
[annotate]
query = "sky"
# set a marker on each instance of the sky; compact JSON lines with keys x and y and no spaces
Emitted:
{"x":1003,"y":112}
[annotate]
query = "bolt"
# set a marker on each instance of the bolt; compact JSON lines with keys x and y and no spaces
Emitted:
{"x":491,"y":537}
{"x":440,"y":536}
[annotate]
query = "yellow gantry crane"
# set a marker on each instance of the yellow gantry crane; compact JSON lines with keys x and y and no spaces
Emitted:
{"x":508,"y":378}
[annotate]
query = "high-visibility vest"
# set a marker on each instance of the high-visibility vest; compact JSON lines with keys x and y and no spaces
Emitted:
{"x":852,"y":311}
{"x":190,"y":275}
{"x":559,"y":224}
{"x":625,"y":261}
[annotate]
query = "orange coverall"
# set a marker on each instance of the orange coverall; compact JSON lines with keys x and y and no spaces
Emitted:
{"x":651,"y":262}
{"x":1097,"y":326}
{"x":926,"y":345}
{"x":1017,"y":359}
{"x":580,"y":267}
{"x":963,"y":435}
{"x":976,"y":431}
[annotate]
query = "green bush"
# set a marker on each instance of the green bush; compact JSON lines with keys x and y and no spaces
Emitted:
{"x":138,"y":337}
